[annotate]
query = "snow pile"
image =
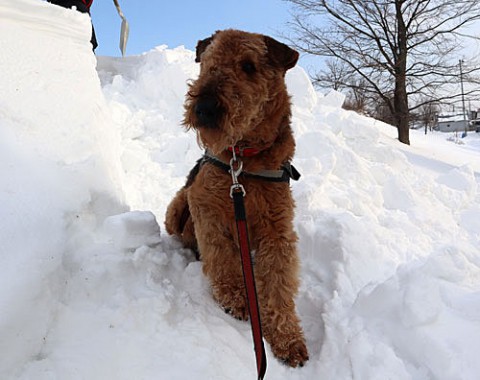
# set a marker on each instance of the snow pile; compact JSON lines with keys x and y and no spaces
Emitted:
{"x":92,"y":289}
{"x":57,"y":166}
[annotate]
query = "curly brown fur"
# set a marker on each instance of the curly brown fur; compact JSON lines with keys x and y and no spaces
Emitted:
{"x":240,"y":98}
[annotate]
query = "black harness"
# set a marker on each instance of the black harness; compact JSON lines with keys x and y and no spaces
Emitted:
{"x":286,"y":172}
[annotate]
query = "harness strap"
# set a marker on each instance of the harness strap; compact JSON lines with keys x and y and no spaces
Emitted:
{"x":286,"y":172}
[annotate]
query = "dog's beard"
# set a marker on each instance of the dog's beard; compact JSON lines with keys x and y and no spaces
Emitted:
{"x":231,"y":125}
{"x":216,"y":140}
{"x":226,"y":132}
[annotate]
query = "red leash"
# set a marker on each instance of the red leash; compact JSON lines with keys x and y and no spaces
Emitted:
{"x":237,"y":192}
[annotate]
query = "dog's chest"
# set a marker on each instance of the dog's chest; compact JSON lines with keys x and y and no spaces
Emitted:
{"x":210,"y":193}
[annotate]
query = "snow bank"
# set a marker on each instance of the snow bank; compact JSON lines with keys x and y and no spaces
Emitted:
{"x":57,"y":162}
{"x":389,"y":234}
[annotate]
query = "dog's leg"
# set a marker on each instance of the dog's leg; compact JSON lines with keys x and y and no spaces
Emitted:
{"x":178,"y":220}
{"x":276,"y":271}
{"x":222,"y":265}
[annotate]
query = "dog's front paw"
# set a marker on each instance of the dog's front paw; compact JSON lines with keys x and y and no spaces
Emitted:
{"x":294,"y":354}
{"x":240,"y":314}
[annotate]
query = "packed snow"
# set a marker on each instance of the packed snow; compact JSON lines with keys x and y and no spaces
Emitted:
{"x":92,"y":287}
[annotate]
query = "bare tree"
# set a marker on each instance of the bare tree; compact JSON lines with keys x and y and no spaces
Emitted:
{"x":407,"y":48}
{"x":428,"y":114}
{"x":359,"y":97}
{"x":337,"y":75}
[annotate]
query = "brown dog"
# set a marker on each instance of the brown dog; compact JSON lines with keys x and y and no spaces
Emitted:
{"x":240,"y":100}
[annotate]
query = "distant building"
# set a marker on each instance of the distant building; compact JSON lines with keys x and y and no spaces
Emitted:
{"x":453,"y":123}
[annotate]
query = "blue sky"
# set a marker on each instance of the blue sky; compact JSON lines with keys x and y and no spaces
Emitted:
{"x":175,"y":23}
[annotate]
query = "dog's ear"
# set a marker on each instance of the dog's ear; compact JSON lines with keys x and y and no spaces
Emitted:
{"x":201,"y":46}
{"x":280,"y":54}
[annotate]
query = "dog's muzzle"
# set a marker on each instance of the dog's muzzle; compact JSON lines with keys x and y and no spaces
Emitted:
{"x":207,"y":112}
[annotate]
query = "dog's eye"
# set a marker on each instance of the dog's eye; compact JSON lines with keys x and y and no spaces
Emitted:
{"x":248,"y":67}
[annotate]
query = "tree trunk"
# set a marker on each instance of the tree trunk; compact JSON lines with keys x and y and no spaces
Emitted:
{"x":400,"y":100}
{"x":402,"y":116}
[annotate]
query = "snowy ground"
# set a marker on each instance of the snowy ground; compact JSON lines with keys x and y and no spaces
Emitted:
{"x":91,"y":286}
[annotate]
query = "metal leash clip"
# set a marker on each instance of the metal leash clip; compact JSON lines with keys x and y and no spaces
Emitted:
{"x":236,"y":186}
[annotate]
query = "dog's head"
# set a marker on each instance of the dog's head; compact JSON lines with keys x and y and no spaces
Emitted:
{"x":240,"y":95}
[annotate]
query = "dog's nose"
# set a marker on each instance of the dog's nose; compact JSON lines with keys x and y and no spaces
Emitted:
{"x":207,"y":111}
